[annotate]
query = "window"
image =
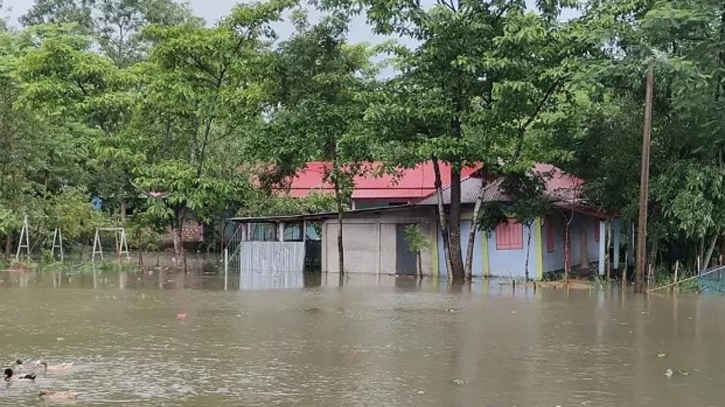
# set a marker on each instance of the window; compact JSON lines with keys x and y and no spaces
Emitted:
{"x":263,"y":232}
{"x":550,"y":244}
{"x":292,"y":232}
{"x":510,"y":236}
{"x":314,"y":230}
{"x":596,"y":230}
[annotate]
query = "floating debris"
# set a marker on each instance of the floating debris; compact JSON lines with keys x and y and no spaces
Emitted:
{"x":661,"y":355}
{"x":459,"y":382}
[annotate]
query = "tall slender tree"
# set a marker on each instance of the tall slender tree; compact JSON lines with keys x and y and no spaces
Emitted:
{"x":480,"y":78}
{"x":318,"y":108}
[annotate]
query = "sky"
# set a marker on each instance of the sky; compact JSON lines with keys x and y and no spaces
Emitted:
{"x":212,"y":10}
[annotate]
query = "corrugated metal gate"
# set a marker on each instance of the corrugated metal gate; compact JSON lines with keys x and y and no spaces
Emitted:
{"x":272,"y":257}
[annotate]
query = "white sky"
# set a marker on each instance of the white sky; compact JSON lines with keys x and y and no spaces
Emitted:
{"x":212,"y":10}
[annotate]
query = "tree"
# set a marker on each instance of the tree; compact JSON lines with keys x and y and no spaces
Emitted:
{"x":38,"y":159}
{"x":687,"y":147}
{"x":417,"y":244}
{"x":201,"y":86}
{"x":318,"y":108}
{"x":116,"y":26}
{"x":61,"y":12}
{"x":481,"y":78}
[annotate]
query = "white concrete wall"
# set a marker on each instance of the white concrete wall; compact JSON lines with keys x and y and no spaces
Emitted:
{"x":370,"y":241}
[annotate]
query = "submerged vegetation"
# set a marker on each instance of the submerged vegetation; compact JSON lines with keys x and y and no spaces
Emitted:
{"x":163,"y":118}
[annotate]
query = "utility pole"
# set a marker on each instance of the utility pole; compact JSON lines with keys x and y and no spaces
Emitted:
{"x":644,"y":183}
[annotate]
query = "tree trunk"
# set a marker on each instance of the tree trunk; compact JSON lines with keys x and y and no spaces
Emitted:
{"x":708,"y":255}
{"x":473,"y":230}
{"x":652,"y":260}
{"x":420,"y":265}
{"x":608,"y":231}
{"x":340,"y":248}
{"x":528,"y":249}
{"x":455,"y":225}
{"x":442,"y":221}
{"x":179,"y":252}
{"x":8,"y":245}
{"x":567,"y":249}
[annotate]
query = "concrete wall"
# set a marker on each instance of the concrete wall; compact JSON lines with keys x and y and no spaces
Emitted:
{"x":369,"y":241}
{"x":512,"y":263}
{"x":581,"y":224}
{"x":478,"y":250}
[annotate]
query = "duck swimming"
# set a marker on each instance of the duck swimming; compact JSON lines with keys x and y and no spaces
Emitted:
{"x":10,"y":376}
{"x":47,"y":395}
{"x":41,"y":364}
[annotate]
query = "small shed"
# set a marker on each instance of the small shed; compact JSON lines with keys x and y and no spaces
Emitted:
{"x":278,"y":243}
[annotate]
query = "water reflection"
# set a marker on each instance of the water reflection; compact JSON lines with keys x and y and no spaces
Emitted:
{"x":308,"y":341}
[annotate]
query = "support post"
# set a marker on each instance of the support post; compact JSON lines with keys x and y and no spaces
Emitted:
{"x":644,"y":183}
{"x":96,"y":243}
{"x":226,"y":269}
{"x":615,"y":242}
{"x":57,"y":243}
{"x":24,"y":234}
{"x":123,"y":245}
{"x":602,"y":247}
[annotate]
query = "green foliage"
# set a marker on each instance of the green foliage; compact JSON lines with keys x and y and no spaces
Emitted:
{"x":71,"y":211}
{"x":416,"y":239}
{"x":115,"y":26}
{"x":140,"y":103}
{"x":317,"y":102}
{"x":262,"y":204}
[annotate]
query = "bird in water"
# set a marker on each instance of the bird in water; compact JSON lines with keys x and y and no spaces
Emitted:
{"x":47,"y":395}
{"x":10,"y":376}
{"x":41,"y":364}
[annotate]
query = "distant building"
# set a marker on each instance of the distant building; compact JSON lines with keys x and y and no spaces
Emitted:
{"x":408,"y":186}
{"x":375,"y":240}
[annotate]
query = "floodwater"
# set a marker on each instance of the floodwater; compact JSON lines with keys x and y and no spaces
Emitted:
{"x":372,"y":342}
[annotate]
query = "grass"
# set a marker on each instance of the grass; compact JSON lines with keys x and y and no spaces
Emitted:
{"x":664,"y":277}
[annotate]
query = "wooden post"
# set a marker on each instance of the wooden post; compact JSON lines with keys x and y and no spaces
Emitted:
{"x":603,"y":255}
{"x":226,"y":268}
{"x":644,"y":183}
{"x":615,"y":242}
{"x":24,"y":235}
{"x":677,"y":269}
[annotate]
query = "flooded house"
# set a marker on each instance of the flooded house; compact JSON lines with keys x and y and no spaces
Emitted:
{"x":376,"y":242}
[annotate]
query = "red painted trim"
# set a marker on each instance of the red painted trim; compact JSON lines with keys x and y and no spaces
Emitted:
{"x":510,"y":236}
{"x":550,"y":243}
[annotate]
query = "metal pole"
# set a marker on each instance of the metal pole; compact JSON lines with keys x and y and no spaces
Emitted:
{"x":644,"y":183}
{"x":226,"y":269}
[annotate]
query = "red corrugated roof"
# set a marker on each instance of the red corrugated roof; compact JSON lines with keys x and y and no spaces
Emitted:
{"x":411,"y":183}
{"x":560,"y":186}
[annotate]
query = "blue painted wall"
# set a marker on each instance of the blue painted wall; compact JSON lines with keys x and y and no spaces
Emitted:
{"x":502,"y":263}
{"x":512,"y":263}
{"x":554,"y":261}
{"x":477,"y":268}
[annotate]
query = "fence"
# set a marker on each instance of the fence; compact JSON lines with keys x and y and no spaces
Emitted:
{"x":272,"y":257}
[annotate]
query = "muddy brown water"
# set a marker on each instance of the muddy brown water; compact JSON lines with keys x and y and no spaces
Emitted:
{"x":374,"y":341}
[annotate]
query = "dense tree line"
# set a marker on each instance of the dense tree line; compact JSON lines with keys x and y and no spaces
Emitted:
{"x":141,"y":103}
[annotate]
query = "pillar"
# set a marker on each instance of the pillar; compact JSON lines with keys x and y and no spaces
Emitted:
{"x":602,"y":246}
{"x":616,"y":225}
